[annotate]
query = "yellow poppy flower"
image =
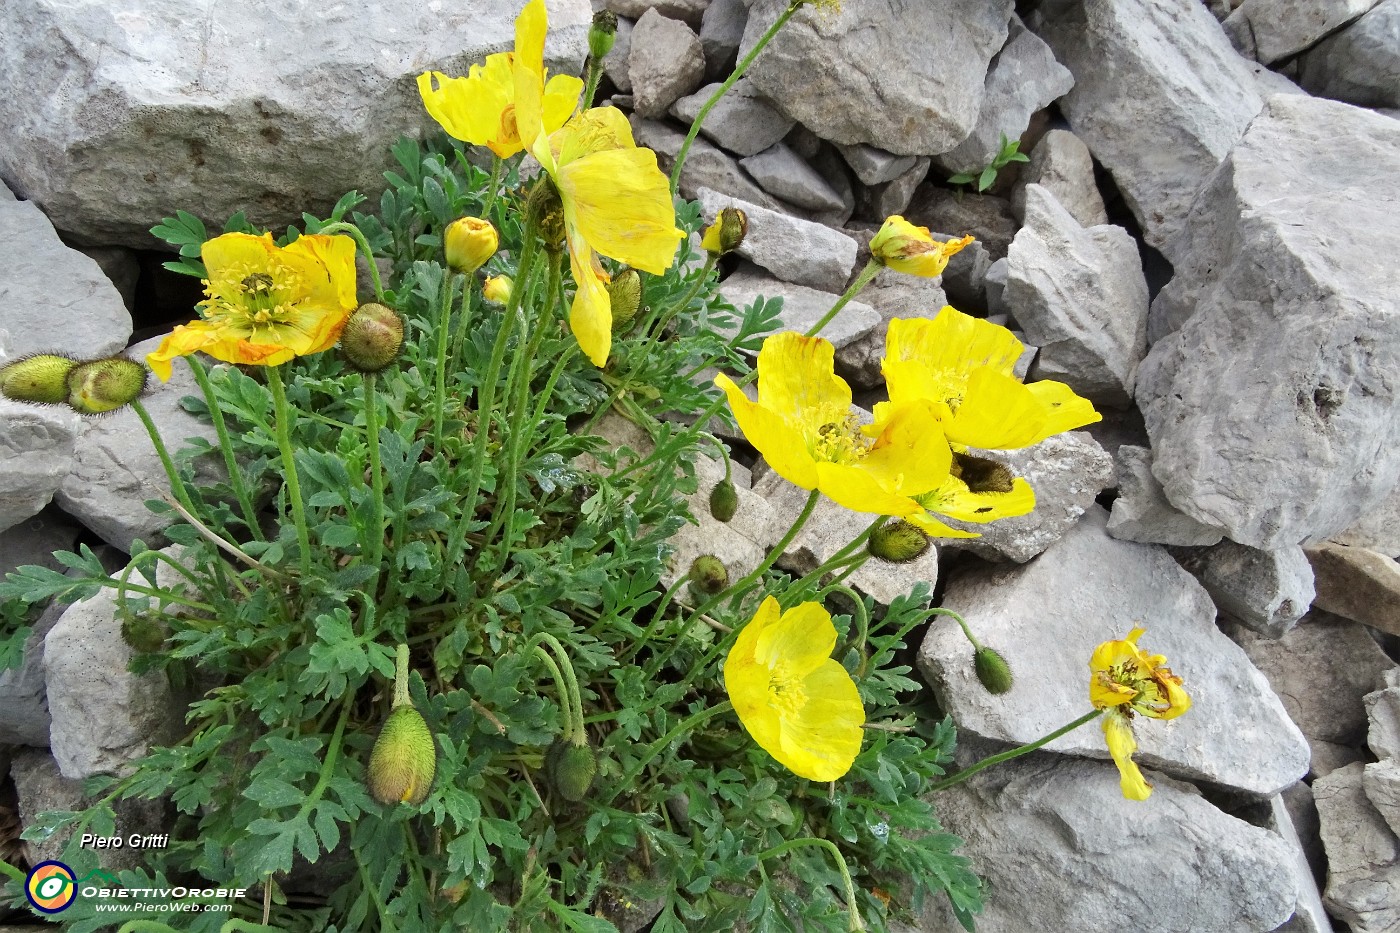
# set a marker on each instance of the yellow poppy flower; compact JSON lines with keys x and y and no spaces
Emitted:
{"x":266,"y":304}
{"x":615,"y":199}
{"x":1125,"y":681}
{"x":976,"y":490}
{"x":797,"y":702}
{"x":913,"y":250}
{"x":803,"y":425}
{"x":963,"y":366}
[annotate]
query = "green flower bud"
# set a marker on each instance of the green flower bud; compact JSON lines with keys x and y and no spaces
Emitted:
{"x":724,"y":500}
{"x":897,"y":542}
{"x":372,"y":338}
{"x":625,"y":292}
{"x":708,"y":575}
{"x":727,"y":232}
{"x":602,"y":34}
{"x":41,"y":379}
{"x":100,"y":386}
{"x":981,"y":474}
{"x":143,"y":634}
{"x":571,"y":769}
{"x":404,"y":759}
{"x":992,"y":670}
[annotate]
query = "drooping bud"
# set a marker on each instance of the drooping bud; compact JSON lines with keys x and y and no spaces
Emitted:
{"x":546,"y":211}
{"x":708,"y":575}
{"x":372,"y":338}
{"x":142,"y":633}
{"x":498,"y":289}
{"x":625,"y":292}
{"x":992,"y":670}
{"x":897,"y":542}
{"x":724,"y":500}
{"x":40,"y":379}
{"x":602,"y":34}
{"x":726,"y":233}
{"x":467,"y":243}
{"x":913,"y":250}
{"x":571,"y":769}
{"x":100,"y":386}
{"x":981,"y":474}
{"x":404,"y":759}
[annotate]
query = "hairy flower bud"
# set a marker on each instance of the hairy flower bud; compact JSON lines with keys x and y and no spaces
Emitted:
{"x":372,"y":338}
{"x":404,"y":759}
{"x":41,"y":379}
{"x":897,"y":542}
{"x":602,"y":34}
{"x":498,"y":289}
{"x":100,"y":386}
{"x":708,"y":575}
{"x":724,"y":500}
{"x":467,"y":243}
{"x":571,"y":769}
{"x":546,"y":211}
{"x":625,"y":292}
{"x":981,"y":474}
{"x":992,"y":670}
{"x":727,"y":232}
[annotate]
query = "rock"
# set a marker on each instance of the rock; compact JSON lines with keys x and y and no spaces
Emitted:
{"x":1023,"y":78}
{"x":830,"y":529}
{"x":1381,"y":781}
{"x":1142,"y":513}
{"x":705,"y":165}
{"x":36,"y":454}
{"x":742,"y":122}
{"x":35,"y":540}
{"x":1159,"y":63}
{"x":1309,"y":916}
{"x":1067,"y":472}
{"x":740,"y":543}
{"x":121,"y":267}
{"x":1276,"y":277}
{"x":802,"y":306}
{"x":104,"y":716}
{"x":1047,"y":616}
{"x":1302,"y":812}
{"x":794,"y":250}
{"x":1377,"y":530}
{"x":1266,"y":591}
{"x":1320,"y":670}
{"x":1055,"y":840}
{"x":665,"y":63}
{"x":1359,"y":64}
{"x":166,"y":106}
{"x":721,"y":32}
{"x":1358,"y":584}
{"x":782,"y":173}
{"x":892,"y":294}
{"x":1280,"y":28}
{"x":1081,"y":297}
{"x":994,"y":284}
{"x":690,"y":12}
{"x":986,"y":217}
{"x":22,"y":692}
{"x":1363,"y":854}
{"x":904,"y":77}
{"x":894,"y":196}
{"x":1383,"y":722}
{"x":43,"y":281}
{"x":1061,"y":164}
{"x":616,"y":62}
{"x":116,"y":467}
{"x":875,"y":166}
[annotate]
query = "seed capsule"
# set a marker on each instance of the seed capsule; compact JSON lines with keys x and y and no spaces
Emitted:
{"x":708,"y":575}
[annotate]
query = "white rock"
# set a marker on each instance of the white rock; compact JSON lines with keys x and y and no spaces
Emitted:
{"x":1061,"y":164}
{"x":742,"y":122}
{"x":36,"y":454}
{"x":741,"y":543}
{"x":1081,"y":297}
{"x":705,"y":165}
{"x":23,"y":695}
{"x":1267,"y":591}
{"x":1310,"y":916}
{"x":795,"y":250}
{"x":894,"y":196}
{"x":688,"y":11}
{"x":1363,"y":854}
{"x":892,"y":294}
{"x":1381,"y":781}
{"x":1279,"y":28}
{"x":1047,"y":616}
{"x":1359,"y":64}
{"x":1142,"y":513}
{"x":615,"y":63}
{"x":1163,"y":64}
{"x":1383,"y":719}
{"x":665,"y":62}
{"x":1358,"y":584}
{"x":782,"y":173}
{"x":721,"y":32}
{"x":875,"y":166}
{"x":802,"y":306}
{"x":1377,"y":530}
{"x":1276,"y":276}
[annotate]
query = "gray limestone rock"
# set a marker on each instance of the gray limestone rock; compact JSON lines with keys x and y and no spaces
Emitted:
{"x":1381,"y":781}
{"x":121,"y":267}
{"x":802,"y":306}
{"x":22,"y":691}
{"x":1047,"y":616}
{"x":1061,"y":849}
{"x":795,"y":250}
{"x":115,"y":116}
{"x":36,"y":454}
{"x":1359,"y":64}
{"x":1023,"y":78}
{"x":986,"y":217}
{"x":705,"y":165}
{"x":994,"y":284}
{"x":1363,"y":854}
{"x":1280,"y":28}
{"x":35,"y":540}
{"x":615,"y":63}
{"x":1320,"y":670}
{"x":1081,"y":297}
{"x":894,"y":196}
{"x":690,"y":12}
{"x":116,"y":467}
{"x":1142,"y":513}
{"x":874,"y":166}
{"x":740,"y":543}
{"x":1358,"y":584}
{"x":1163,"y":64}
{"x":1310,"y":916}
{"x":892,"y":294}
{"x":1061,"y":164}
{"x":833,"y":169}
{"x":1067,"y":472}
{"x":721,"y":32}
{"x":1276,"y":277}
{"x":904,"y":77}
{"x":1383,"y":722}
{"x":743,"y":122}
{"x":1267,"y":591}
{"x":665,"y":63}
{"x":783,"y":174}
{"x":1377,"y":530}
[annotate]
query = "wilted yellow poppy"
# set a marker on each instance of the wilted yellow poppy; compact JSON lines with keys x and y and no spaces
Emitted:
{"x":1125,"y":681}
{"x":913,"y":250}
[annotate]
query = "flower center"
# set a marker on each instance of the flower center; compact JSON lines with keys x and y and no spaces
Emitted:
{"x":253,"y":297}
{"x":840,"y":441}
{"x":785,"y":693}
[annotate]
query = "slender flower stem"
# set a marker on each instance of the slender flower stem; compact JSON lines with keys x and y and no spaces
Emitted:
{"x":872,"y":269}
{"x":837,"y":559}
{"x":661,"y":744}
{"x":566,"y":702}
{"x":401,"y":676}
{"x":859,"y":615}
{"x":177,"y":485}
{"x":470,"y":289}
{"x":569,"y":684}
{"x":440,"y":384}
{"x":376,"y":473}
{"x":657,"y":618}
{"x":358,"y":236}
{"x":679,"y":306}
{"x":729,"y":82}
{"x":968,"y":772}
{"x":856,"y":922}
{"x":283,"y":413}
{"x":496,"y":164}
{"x":595,"y":77}
{"x":235,"y":475}
{"x":939,"y":611}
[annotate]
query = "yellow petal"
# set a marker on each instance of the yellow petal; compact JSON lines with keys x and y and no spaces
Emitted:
{"x":910,"y":454}
{"x":622,"y":204}
{"x":182,"y":341}
{"x":998,"y":413}
{"x":598,"y":129}
{"x":1064,"y":410}
{"x":329,"y":271}
{"x":801,"y":639}
{"x":1118,"y":731}
{"x":746,"y":681}
{"x":860,"y":491}
{"x":822,"y":740}
{"x":528,"y":72}
{"x":236,"y":249}
{"x":952,"y":342}
{"x":780,"y":443}
{"x":471,"y":109}
{"x":561,"y":95}
{"x":590,"y":317}
{"x":955,"y":500}
{"x":797,"y":380}
{"x":936,"y":529}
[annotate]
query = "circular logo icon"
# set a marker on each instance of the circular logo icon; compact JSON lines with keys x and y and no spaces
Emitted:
{"x":50,"y":887}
